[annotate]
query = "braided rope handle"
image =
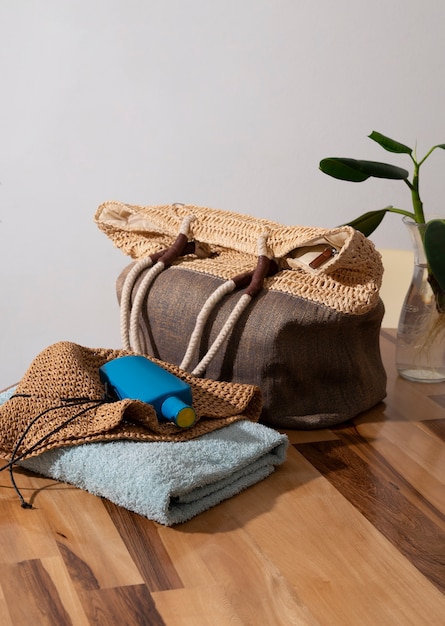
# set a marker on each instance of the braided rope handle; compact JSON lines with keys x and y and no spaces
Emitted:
{"x":228,"y":326}
{"x":253,"y":281}
{"x":129,"y":315}
{"x":126,"y":300}
{"x":227,"y":287}
{"x":136,"y":309}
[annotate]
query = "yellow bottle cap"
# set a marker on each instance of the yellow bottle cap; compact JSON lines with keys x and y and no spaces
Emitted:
{"x":186,"y":417}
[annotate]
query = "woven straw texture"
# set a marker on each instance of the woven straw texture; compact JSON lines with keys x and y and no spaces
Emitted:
{"x":66,"y":373}
{"x":349,"y":282}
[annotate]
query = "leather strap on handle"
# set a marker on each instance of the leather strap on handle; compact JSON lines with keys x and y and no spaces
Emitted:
{"x":157,"y":262}
{"x":265,"y":267}
{"x":252,"y":282}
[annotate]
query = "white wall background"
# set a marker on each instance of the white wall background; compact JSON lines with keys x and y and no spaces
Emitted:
{"x":228,"y":103}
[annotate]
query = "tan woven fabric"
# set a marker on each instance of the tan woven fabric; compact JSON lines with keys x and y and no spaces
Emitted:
{"x":349,"y":282}
{"x":66,"y":375}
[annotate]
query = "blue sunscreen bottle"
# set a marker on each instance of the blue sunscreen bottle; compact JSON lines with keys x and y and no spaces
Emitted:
{"x":139,"y":378}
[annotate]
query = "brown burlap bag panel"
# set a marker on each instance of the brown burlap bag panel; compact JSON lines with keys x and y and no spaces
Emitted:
{"x":349,"y":282}
{"x":66,"y":376}
{"x":316,"y":367}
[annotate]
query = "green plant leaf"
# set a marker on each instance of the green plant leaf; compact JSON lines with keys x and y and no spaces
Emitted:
{"x":434,"y":242}
{"x":357,"y":171}
{"x":390,"y":144}
{"x":368,"y":222}
{"x":383,"y":170}
{"x":440,"y":145}
{"x":343,"y":169}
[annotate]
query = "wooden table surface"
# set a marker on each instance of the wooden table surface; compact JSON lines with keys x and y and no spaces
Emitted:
{"x":349,"y":530}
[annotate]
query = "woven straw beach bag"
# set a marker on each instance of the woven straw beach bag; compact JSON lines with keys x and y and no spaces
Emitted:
{"x":294,"y":310}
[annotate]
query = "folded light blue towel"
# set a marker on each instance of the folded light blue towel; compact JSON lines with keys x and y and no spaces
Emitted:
{"x":169,"y":482}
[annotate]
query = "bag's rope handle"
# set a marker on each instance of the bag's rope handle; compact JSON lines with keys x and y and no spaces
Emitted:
{"x":265,"y":267}
{"x":252,"y":281}
{"x":129,"y":315}
{"x":125,"y":304}
{"x":227,"y":287}
{"x":138,"y":302}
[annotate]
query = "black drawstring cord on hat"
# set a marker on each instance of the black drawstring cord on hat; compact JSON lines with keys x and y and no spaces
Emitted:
{"x":68,"y":402}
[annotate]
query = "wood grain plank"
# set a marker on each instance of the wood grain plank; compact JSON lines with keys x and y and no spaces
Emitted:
{"x":388,"y":335}
{"x":141,"y":538}
{"x":406,"y":396}
{"x":215,"y":548}
{"x":80,"y":572}
{"x":342,"y":568}
{"x":406,"y":400}
{"x":24,"y":534}
{"x":196,"y":606}
{"x":413,"y":452}
{"x":437,"y":427}
{"x":68,"y":594}
{"x":306,"y":436}
{"x":92,"y":546}
{"x":32,"y":596}
{"x":5,"y":616}
{"x":381,"y":502}
{"x":439,"y":398}
{"x":123,"y":606}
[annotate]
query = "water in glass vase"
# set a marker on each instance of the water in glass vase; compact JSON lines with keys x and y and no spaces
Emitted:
{"x":420,"y":349}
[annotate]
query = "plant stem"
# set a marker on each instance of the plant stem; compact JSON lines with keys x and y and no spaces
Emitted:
{"x":427,"y":155}
{"x":402,"y":212}
{"x":417,"y":202}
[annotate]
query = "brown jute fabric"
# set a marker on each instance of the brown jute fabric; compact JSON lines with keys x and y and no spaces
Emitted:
{"x":316,"y":367}
{"x":309,"y":339}
{"x":66,"y":376}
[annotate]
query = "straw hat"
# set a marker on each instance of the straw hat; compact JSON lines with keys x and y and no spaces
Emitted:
{"x":61,"y":401}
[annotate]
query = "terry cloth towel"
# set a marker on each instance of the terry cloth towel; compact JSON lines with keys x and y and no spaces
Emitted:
{"x":169,"y":482}
{"x":61,"y":401}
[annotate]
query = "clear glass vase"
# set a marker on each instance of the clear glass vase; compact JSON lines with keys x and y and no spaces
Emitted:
{"x":420,"y":347}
